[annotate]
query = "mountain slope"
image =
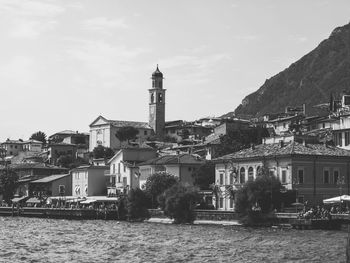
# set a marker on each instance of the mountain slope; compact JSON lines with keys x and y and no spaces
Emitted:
{"x":310,"y":80}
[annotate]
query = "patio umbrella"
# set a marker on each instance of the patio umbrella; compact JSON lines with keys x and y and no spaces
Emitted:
{"x":337,"y":199}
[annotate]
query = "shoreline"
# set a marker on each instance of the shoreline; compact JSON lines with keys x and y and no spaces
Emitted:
{"x":158,"y":220}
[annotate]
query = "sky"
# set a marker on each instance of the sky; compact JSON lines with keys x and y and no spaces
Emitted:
{"x":65,"y":62}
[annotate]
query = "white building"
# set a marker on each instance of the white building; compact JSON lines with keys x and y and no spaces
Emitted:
{"x":123,"y":168}
{"x":89,"y":181}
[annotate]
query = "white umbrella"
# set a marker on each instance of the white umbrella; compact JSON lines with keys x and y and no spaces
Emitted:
{"x":337,"y":199}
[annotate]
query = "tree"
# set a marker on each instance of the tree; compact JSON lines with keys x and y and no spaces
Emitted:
{"x":239,"y":139}
{"x":258,"y":198}
{"x":126,"y":133}
{"x":68,"y":161}
{"x":179,"y":202}
{"x":137,"y":205}
{"x":102,"y":152}
{"x":204,"y":176}
{"x":39,"y":136}
{"x":8,"y":183}
{"x":156,"y":184}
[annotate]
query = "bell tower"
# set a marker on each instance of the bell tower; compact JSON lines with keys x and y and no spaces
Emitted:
{"x":157,"y":104}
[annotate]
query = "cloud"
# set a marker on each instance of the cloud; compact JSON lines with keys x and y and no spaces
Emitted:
{"x":246,"y":37}
{"x":106,"y":63}
{"x":31,"y":18}
{"x":20,"y":71}
{"x":30,"y":29}
{"x":32,"y":8}
{"x":298,"y":39}
{"x":195,"y":61}
{"x":103,"y":23}
{"x":195,"y":67}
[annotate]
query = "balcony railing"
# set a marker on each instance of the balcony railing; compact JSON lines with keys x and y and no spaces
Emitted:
{"x":108,"y":173}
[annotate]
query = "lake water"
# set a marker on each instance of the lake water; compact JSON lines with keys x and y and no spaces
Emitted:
{"x":50,"y":240}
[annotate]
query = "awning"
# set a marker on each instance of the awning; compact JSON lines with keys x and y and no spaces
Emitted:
{"x":76,"y":200}
{"x":88,"y":202}
{"x":103,"y":198}
{"x":18,"y":199}
{"x":337,"y":199}
{"x":33,"y":200}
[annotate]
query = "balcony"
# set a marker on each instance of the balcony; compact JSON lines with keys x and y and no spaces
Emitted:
{"x":108,"y":173}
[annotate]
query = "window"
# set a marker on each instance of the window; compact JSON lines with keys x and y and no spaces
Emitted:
{"x":145,"y":132}
{"x":272,"y":172}
{"x":231,"y":178}
{"x":189,"y":169}
{"x":326,"y":176}
{"x":340,"y":139}
{"x":335,"y":176}
{"x":231,"y":202}
{"x":300,"y":176}
{"x":250,"y":173}
{"x":124,"y":165}
{"x":118,"y":168}
{"x":242,"y":175}
{"x":118,"y":178}
{"x":221,"y":179}
{"x":221,"y":202}
{"x":258,"y":172}
{"x":284,"y":177}
{"x":113,"y":170}
{"x":347,"y":138}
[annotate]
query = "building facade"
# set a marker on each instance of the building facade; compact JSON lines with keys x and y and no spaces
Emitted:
{"x":89,"y":181}
{"x":314,"y":171}
{"x":124,"y":170}
{"x":181,"y":166}
{"x":54,"y":185}
{"x":103,"y":131}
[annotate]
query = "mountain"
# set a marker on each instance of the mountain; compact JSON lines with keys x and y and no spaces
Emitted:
{"x":310,"y":80}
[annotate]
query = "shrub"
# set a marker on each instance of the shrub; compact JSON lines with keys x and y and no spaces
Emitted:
{"x":137,"y":205}
{"x":179,"y":202}
{"x":256,"y":199}
{"x":156,"y":184}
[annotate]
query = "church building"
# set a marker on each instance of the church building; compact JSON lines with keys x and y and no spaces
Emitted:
{"x":102,"y":130}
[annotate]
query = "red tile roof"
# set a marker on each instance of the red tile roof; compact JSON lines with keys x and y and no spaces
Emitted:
{"x":174,"y":159}
{"x":288,"y":149}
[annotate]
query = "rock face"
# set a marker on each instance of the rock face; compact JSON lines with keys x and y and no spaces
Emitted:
{"x":310,"y":80}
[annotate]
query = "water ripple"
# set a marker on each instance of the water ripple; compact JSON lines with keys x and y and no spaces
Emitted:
{"x":46,"y":240}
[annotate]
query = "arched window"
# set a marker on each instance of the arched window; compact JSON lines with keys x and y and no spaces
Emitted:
{"x":242,"y":175}
{"x":160,"y":97}
{"x":258,"y":172}
{"x":250,"y":173}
